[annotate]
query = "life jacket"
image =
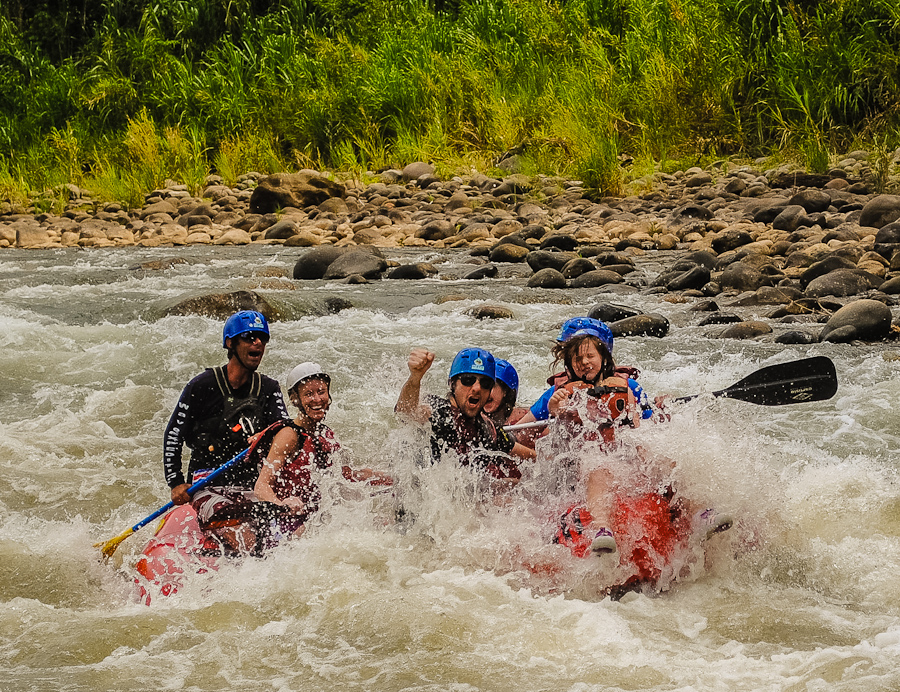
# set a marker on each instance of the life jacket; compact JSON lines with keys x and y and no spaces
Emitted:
{"x":217,"y":438}
{"x":610,"y":404}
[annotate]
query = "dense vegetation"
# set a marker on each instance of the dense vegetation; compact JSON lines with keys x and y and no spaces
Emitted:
{"x":120,"y":94}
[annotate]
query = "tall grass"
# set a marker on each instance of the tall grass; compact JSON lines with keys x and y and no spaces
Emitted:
{"x":143,"y":91}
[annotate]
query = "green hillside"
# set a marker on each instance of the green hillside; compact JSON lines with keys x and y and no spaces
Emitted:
{"x":118,"y":95}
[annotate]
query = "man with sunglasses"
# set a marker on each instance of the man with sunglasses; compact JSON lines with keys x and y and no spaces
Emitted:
{"x":458,"y":423}
{"x":217,"y":412}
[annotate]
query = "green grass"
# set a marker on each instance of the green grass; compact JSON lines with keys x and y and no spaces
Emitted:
{"x":122,"y":95}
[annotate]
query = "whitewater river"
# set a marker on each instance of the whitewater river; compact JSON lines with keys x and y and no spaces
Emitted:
{"x":803,"y":594}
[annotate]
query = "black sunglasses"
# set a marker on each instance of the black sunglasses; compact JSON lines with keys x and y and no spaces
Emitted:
{"x":250,"y":337}
{"x":468,"y":380}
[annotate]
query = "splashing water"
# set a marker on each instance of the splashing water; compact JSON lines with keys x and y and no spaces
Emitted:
{"x":465,"y":593}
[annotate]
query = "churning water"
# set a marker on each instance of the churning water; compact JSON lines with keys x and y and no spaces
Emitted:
{"x":803,"y":594}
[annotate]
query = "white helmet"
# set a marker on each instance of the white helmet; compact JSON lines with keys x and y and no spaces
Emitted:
{"x":303,"y":372}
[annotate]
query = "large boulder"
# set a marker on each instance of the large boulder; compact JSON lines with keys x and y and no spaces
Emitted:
{"x":868,"y":320}
{"x":743,"y":277}
{"x":301,"y":189}
{"x":596,"y":278}
{"x":641,"y":325}
{"x":359,"y":261}
{"x":842,"y":282}
{"x":546,"y":278}
{"x":313,"y":264}
{"x":223,"y":305}
{"x":880,"y":211}
{"x":541,"y":259}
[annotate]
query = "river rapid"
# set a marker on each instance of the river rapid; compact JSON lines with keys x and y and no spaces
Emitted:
{"x":802,"y":594}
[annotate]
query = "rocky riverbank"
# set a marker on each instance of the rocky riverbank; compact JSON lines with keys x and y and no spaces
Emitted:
{"x":814,"y":248}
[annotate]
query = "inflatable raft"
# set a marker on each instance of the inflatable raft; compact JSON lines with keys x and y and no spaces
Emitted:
{"x":657,"y":540}
{"x":176,"y":548}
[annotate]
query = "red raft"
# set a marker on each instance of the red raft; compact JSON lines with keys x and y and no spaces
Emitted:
{"x":175,"y":548}
{"x":656,"y":540}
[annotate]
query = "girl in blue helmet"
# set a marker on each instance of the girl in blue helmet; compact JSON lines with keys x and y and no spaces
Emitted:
{"x":501,"y":405}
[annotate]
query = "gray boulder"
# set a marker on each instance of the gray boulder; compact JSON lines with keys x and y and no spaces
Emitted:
{"x":842,"y":282}
{"x":880,"y":211}
{"x":595,"y":278}
{"x":313,"y":264}
{"x":745,"y":330}
{"x":867,"y":320}
{"x":641,"y":325}
{"x":541,"y":259}
{"x":362,"y":262}
{"x":546,"y":278}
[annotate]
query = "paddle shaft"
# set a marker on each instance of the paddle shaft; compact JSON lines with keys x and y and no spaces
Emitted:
{"x":194,"y":488}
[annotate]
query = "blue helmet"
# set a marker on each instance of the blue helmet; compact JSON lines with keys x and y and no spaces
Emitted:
{"x":244,"y":321}
{"x":473,"y":360}
{"x":577,"y":326}
{"x":506,"y":373}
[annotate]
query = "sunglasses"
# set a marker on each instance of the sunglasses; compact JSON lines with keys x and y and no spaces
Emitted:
{"x":250,"y":337}
{"x":468,"y":380}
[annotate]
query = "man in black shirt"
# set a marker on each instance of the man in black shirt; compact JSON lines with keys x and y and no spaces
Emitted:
{"x":217,"y":412}
{"x":457,"y":422}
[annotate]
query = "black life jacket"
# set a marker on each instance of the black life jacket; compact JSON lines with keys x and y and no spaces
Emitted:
{"x":218,"y":438}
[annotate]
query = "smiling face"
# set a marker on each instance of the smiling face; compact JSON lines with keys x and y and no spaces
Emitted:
{"x":470,"y":393}
{"x":312,"y":398}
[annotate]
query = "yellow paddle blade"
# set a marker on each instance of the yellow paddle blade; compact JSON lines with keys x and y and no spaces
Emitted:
{"x":109,"y":547}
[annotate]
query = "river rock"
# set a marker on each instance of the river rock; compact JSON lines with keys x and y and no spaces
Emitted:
{"x":610,"y":312}
{"x":891,"y":286}
{"x":641,"y":325}
{"x":490,"y":312}
{"x":694,"y":278}
{"x":745,"y":330}
{"x":730,"y":240}
{"x":596,"y":278}
{"x":418,"y":270}
{"x":233,"y":236}
{"x":719,"y":318}
{"x":314,"y":263}
{"x":743,"y":277}
{"x":510,"y":252}
{"x":842,"y":282}
{"x":811,"y":200}
{"x":416,"y":170}
{"x":825,"y":266}
{"x":866,"y":320}
{"x":357,"y":261}
{"x":796,"y":337}
{"x":292,"y":190}
{"x":546,"y":278}
{"x":880,"y":211}
{"x":541,"y":259}
{"x":576,"y":267}
{"x":483,"y":272}
{"x":439,"y":229}
{"x":281,"y":230}
{"x":223,"y":305}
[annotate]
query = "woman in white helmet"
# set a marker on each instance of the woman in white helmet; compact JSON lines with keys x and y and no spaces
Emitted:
{"x":302,"y":445}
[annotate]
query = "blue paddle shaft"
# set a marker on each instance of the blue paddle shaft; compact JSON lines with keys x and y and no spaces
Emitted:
{"x":194,"y":488}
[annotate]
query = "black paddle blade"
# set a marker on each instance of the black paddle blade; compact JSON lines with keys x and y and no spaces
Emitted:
{"x":799,"y":381}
